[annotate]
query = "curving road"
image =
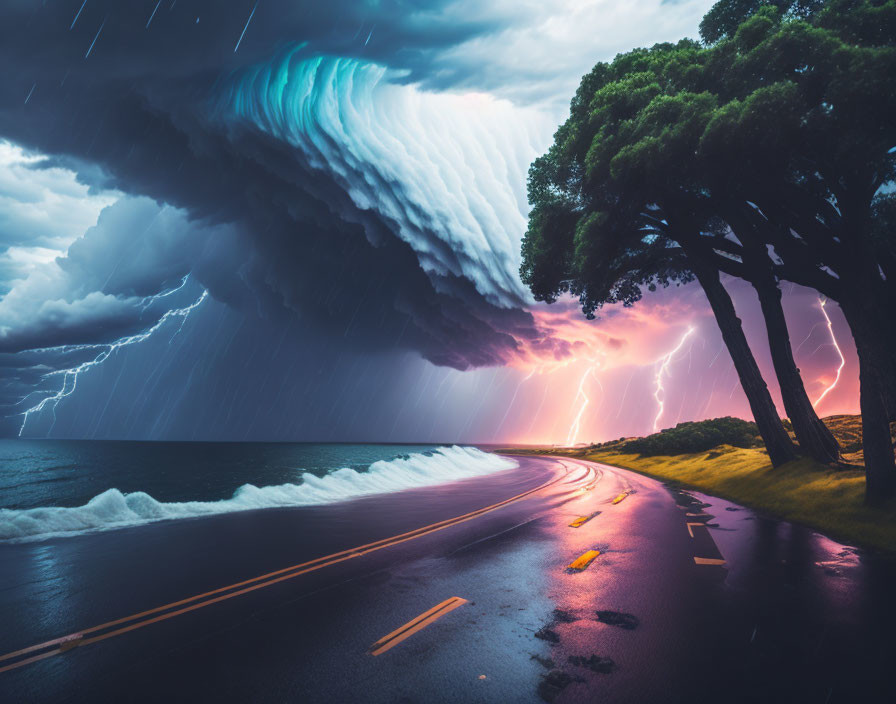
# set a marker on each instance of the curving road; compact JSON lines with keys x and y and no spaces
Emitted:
{"x":562,"y":581}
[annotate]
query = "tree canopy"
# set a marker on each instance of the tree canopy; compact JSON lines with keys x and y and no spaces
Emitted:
{"x":783,"y":116}
{"x":768,"y":150}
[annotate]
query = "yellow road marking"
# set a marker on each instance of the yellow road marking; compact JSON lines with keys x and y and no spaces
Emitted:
{"x":583,"y":561}
{"x":708,"y":561}
{"x":705,"y":560}
{"x":76,"y":639}
{"x":581,"y":520}
{"x":619,"y":498}
{"x":691,"y":525}
{"x":411,"y":627}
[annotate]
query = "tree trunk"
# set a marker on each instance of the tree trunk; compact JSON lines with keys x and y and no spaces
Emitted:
{"x":888,"y":333}
{"x":865,"y":307}
{"x":814,"y":437}
{"x":777,"y":441}
{"x":880,"y":467}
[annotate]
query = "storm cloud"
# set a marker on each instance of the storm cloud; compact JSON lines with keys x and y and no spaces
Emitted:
{"x":343,"y":179}
{"x":347,"y":239}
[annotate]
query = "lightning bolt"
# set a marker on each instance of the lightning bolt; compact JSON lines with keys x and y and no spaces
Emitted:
{"x":149,"y":300}
{"x":821,"y":303}
{"x":577,"y":421}
{"x":70,"y":375}
{"x":802,"y":344}
{"x":625,"y":393}
{"x":664,"y":362}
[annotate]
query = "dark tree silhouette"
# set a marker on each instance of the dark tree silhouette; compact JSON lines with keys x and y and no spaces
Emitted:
{"x":606,"y":239}
{"x":765,"y":156}
{"x":804,"y":132}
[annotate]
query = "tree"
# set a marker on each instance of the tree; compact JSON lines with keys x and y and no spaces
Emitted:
{"x":604,"y":240}
{"x":776,"y":146}
{"x":632,"y":145}
{"x":784,"y":131}
{"x":814,"y":436}
{"x":653,"y":149}
{"x":806,"y":105}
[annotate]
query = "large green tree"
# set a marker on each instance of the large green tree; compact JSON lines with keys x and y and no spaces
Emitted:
{"x":805,"y":132}
{"x":647,"y":126}
{"x":602,"y":162}
{"x":603,"y":238}
{"x":778,"y":137}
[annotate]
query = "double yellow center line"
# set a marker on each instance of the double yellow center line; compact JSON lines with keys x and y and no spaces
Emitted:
{"x":416,"y":624}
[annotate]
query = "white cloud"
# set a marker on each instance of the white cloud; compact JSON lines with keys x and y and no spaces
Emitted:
{"x":43,"y":206}
{"x":42,"y":211}
{"x":98,"y":288}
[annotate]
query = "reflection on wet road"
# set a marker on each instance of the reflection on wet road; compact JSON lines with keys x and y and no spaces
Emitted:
{"x":560,"y":581}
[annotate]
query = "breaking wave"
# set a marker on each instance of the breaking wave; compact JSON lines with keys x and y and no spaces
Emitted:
{"x":446,"y":170}
{"x":113,"y":509}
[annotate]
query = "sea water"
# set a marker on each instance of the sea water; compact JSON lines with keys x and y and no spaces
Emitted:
{"x":62,"y":487}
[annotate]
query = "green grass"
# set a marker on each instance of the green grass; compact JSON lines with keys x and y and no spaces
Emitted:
{"x":829,"y":500}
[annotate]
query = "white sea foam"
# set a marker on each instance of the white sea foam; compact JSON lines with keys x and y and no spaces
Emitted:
{"x":113,"y":509}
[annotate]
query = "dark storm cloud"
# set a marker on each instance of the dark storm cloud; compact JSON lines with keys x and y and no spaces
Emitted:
{"x":159,"y":248}
{"x":191,"y":37}
{"x":108,"y":284}
{"x":127,"y":106}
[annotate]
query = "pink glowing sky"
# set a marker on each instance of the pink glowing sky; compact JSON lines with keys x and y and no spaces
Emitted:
{"x":615,"y":359}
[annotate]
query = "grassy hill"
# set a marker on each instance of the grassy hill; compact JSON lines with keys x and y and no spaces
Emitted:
{"x":706,"y":434}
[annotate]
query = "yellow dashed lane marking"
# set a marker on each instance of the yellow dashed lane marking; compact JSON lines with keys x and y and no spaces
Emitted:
{"x":619,"y":498}
{"x":582,"y":520}
{"x":692,"y":525}
{"x":583,"y":561}
{"x":417,"y":624}
{"x":705,"y":560}
{"x":708,"y":561}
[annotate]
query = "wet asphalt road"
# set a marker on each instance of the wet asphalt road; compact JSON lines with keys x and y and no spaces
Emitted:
{"x":790,"y":616}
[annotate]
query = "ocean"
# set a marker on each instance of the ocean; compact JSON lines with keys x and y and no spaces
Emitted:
{"x":52,"y":488}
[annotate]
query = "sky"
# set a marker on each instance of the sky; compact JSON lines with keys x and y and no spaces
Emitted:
{"x":297,"y":220}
